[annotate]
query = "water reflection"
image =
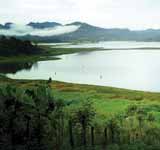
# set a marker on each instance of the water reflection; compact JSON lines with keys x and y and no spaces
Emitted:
{"x":136,"y":69}
{"x":13,"y":67}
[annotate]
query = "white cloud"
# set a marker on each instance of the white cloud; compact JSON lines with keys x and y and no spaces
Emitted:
{"x":21,"y":30}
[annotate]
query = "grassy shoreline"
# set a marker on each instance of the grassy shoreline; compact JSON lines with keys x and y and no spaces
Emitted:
{"x":107,"y":101}
{"x":109,"y":104}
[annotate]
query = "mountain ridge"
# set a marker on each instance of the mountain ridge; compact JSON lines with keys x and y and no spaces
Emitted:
{"x":87,"y":32}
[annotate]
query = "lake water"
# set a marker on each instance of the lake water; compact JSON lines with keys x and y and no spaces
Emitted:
{"x":132,"y":69}
{"x":110,"y":45}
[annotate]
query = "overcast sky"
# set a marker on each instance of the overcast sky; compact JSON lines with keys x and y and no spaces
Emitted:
{"x":133,"y":14}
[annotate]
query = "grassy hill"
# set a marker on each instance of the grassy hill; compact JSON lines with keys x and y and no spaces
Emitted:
{"x":80,"y":116}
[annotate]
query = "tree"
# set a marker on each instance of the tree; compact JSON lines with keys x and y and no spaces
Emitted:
{"x":84,"y":116}
{"x":13,"y":105}
{"x":13,"y":46}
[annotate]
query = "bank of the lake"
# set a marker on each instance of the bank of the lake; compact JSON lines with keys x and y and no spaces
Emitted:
{"x":108,"y":101}
{"x":48,"y":53}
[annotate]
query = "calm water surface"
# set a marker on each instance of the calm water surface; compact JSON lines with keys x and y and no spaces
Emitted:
{"x":132,"y":69}
{"x":111,"y":45}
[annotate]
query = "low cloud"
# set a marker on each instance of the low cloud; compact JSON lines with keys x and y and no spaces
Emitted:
{"x":22,"y":30}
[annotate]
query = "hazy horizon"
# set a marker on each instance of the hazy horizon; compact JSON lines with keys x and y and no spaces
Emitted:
{"x":135,"y":15}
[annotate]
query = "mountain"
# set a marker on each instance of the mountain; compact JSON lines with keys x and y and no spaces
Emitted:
{"x":87,"y":32}
{"x":6,"y":25}
{"x":93,"y":33}
{"x":43,"y":25}
{"x":1,"y":26}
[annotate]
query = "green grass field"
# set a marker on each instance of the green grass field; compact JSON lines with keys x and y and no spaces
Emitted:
{"x":107,"y":101}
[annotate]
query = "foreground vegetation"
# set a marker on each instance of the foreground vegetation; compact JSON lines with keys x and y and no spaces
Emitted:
{"x":55,"y":115}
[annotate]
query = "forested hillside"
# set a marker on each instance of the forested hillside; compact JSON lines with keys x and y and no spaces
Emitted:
{"x":12,"y":47}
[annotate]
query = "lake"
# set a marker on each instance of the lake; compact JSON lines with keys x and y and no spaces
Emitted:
{"x":110,"y":45}
{"x":137,"y":68}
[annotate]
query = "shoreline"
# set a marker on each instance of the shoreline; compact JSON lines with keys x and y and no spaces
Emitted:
{"x":49,"y":53}
{"x":5,"y":79}
{"x":53,"y":53}
{"x":107,"y":101}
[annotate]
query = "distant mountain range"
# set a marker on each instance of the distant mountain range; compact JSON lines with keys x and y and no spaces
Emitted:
{"x":87,"y":32}
{"x":43,"y":25}
{"x":36,"y":25}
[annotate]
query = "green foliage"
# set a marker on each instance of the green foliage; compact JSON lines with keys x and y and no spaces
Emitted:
{"x":12,"y":46}
{"x":84,"y":114}
{"x":33,"y":116}
{"x":26,"y":115}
